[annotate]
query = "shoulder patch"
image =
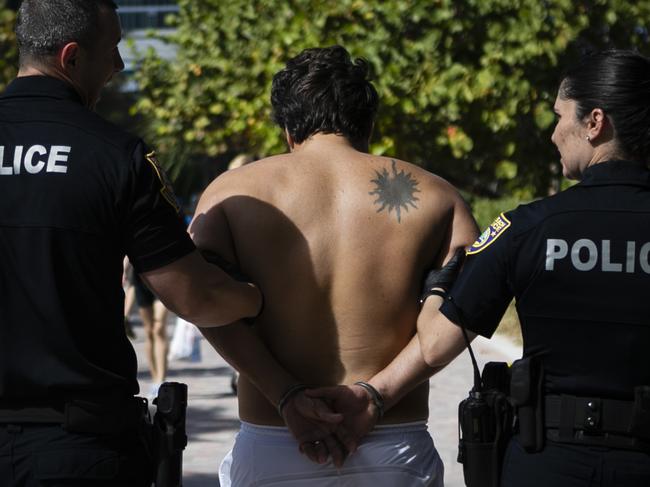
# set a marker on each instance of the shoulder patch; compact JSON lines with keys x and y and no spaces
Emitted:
{"x":491,"y":233}
{"x":166,"y":186}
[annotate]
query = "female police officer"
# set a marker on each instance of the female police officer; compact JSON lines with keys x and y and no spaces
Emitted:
{"x":578,"y":264}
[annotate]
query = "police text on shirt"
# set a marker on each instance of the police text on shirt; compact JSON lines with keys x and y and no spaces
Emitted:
{"x":34,"y":159}
{"x":585,"y":255}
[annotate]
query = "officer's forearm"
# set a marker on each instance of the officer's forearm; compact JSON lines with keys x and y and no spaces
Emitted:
{"x":440,"y":340}
{"x":406,"y":371}
{"x":410,"y":367}
{"x":223,"y":303}
{"x":242,"y":348}
{"x":202,"y":293}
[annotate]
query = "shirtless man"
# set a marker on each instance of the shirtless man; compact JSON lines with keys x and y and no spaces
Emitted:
{"x":339,"y":241}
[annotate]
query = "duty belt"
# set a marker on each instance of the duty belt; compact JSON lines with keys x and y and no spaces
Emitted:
{"x":594,"y":421}
{"x":79,"y":416}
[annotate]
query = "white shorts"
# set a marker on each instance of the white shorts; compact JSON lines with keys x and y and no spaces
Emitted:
{"x":393,"y":455}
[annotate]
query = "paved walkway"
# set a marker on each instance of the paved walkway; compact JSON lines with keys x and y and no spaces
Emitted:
{"x":212,"y":411}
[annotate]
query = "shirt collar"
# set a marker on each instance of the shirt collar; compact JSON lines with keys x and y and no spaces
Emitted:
{"x":41,"y":86}
{"x":616,"y":172}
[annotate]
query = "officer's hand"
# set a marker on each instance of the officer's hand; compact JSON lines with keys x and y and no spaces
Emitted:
{"x":355,"y":404}
{"x":444,"y":277}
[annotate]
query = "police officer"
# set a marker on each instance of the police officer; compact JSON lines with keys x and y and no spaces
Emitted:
{"x":77,"y":195}
{"x":578,"y":265}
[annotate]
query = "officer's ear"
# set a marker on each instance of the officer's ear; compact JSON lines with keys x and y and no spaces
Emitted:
{"x":69,"y":56}
{"x":597,"y":123}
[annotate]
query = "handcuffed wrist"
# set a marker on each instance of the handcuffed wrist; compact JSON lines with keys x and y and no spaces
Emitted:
{"x":288,"y":394}
{"x":375,"y":396}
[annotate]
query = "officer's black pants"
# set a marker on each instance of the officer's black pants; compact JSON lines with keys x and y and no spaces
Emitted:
{"x":564,"y":465}
{"x":33,"y":455}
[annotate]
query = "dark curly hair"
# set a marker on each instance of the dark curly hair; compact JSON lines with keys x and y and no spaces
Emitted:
{"x":618,"y":82}
{"x":323,"y":91}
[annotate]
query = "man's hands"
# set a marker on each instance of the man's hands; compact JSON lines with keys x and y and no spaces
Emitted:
{"x":355,"y":404}
{"x":330,"y":421}
{"x":313,"y":424}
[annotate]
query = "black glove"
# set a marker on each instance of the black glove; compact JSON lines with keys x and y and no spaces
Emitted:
{"x":442,"y":278}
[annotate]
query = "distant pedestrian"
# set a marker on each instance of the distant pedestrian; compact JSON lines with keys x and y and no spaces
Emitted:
{"x":153,"y":314}
{"x":129,"y":298}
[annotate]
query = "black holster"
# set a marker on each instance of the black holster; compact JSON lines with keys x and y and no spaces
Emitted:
{"x":169,"y":436}
{"x":485,"y":421}
{"x":526,"y":394}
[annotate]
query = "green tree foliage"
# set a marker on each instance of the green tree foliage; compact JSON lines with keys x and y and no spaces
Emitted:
{"x":466,"y":86}
{"x":8,"y":50}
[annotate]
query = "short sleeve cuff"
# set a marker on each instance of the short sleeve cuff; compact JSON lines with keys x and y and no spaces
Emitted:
{"x":450,"y":309}
{"x":164,"y":256}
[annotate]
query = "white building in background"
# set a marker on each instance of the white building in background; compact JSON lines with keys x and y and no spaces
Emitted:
{"x":139,"y":18}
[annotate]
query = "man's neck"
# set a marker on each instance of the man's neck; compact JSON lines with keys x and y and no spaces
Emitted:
{"x":319,"y":141}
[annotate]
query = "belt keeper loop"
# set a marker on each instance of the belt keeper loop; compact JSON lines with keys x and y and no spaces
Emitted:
{"x":592,"y":412}
{"x":567,"y":415}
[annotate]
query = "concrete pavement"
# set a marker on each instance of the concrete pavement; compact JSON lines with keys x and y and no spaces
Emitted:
{"x":212,"y":411}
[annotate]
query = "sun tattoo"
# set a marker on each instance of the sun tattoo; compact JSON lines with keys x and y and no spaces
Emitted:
{"x":395,"y":191}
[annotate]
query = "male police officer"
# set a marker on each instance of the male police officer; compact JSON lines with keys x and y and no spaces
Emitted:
{"x":77,"y":195}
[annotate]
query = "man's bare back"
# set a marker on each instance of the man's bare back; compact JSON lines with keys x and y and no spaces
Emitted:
{"x":339,"y":242}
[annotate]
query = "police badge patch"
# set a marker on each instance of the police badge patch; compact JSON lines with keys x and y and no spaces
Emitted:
{"x":496,"y":228}
{"x":166,"y":190}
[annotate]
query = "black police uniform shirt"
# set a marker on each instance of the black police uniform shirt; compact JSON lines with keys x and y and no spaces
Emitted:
{"x":76,"y":195}
{"x":578,"y":265}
